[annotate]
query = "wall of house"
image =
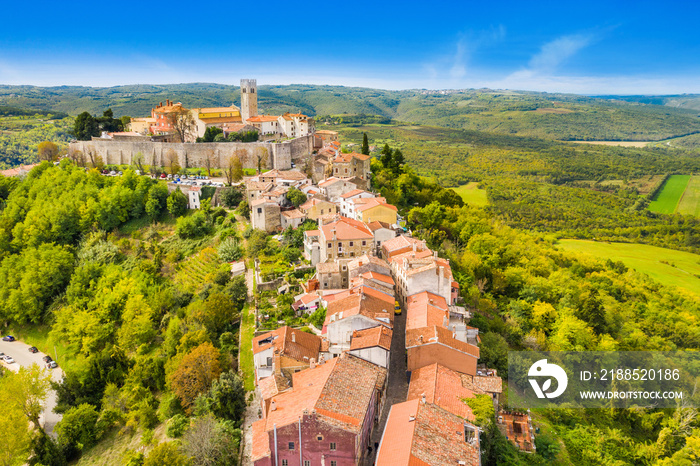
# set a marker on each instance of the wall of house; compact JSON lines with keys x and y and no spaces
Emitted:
{"x":262,"y":370}
{"x":378,"y":213}
{"x":321,"y":209}
{"x":375,"y":355}
{"x":348,"y":250}
{"x":280,"y":155}
{"x":425,"y":355}
{"x":340,"y":331}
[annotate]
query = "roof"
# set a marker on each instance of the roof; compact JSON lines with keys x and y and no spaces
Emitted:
{"x":215,"y":120}
{"x":232,"y":108}
{"x":258,"y":202}
{"x":293,"y":214}
{"x":371,"y":203}
{"x":290,"y":342}
{"x":368,"y":338}
{"x":354,"y":192}
{"x":257,"y":185}
{"x":339,"y":391}
{"x":330,"y":181}
{"x":261,"y":441}
{"x":426,"y":309}
{"x":380,"y":277}
{"x":367,"y":259}
{"x":285,"y":174}
{"x":272,"y":386}
{"x":291,"y":116}
{"x":443,"y":387}
{"x":349,"y":156}
{"x":401,"y":242}
{"x":377,"y":225}
{"x":312,"y":233}
{"x":326,"y":131}
{"x":346,"y":229}
{"x":423,"y":434}
{"x":262,"y":118}
{"x":312,"y":202}
{"x":364,"y":301}
{"x":436,"y":334}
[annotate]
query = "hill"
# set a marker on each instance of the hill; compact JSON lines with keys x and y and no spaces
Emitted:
{"x":553,"y":116}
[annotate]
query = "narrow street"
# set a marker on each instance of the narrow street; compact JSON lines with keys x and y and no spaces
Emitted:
{"x":397,"y":388}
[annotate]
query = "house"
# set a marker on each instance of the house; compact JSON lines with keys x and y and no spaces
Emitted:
{"x":265,"y":215}
{"x":20,"y":171}
{"x":284,"y":351}
{"x":373,"y":345}
{"x":401,"y":244}
{"x":318,"y":208}
{"x":193,"y":197}
{"x":325,"y":418}
{"x":368,"y":210}
{"x":333,"y":188}
{"x":295,"y":125}
{"x":292,"y":218}
{"x":216,"y":117}
{"x":426,"y":308}
{"x":367,"y":263}
{"x":437,"y":344}
{"x":329,"y":276}
{"x":266,"y":125}
{"x":345,"y":238}
{"x":236,"y":128}
{"x":378,"y":281}
{"x":420,"y":433}
{"x":363,"y":308}
{"x":312,"y":247}
{"x":347,"y":204}
{"x":352,"y":164}
{"x":286,"y":178}
{"x":415,"y":272}
{"x":141,"y":125}
{"x":278,"y":195}
{"x":163,"y":115}
{"x":255,"y":189}
{"x":327,"y":136}
{"x":382,"y":232}
{"x":307,"y":302}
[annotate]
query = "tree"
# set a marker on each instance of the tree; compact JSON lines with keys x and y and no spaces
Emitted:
{"x":230,"y":250}
{"x":261,"y":156}
{"x":182,"y":122}
{"x":365,"y":144}
{"x":45,"y":451}
{"x":193,"y":226}
{"x":108,"y":123}
{"x":126,"y":122}
{"x":47,"y":150}
{"x":195,"y":374}
{"x":85,"y":127}
{"x":494,"y":351}
{"x":386,"y":156}
{"x":231,"y":197}
{"x":211,"y":443}
{"x":225,"y":399}
{"x":78,"y":428}
{"x":166,"y":454}
{"x":209,"y":160}
{"x":138,"y":162}
{"x":172,"y":162}
{"x":29,"y":388}
{"x":234,"y":168}
{"x":296,"y":196}
{"x":177,"y":203}
{"x":156,"y":200}
{"x":210,"y":133}
{"x":14,"y":428}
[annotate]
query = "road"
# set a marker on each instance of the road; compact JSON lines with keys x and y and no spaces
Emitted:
{"x":20,"y":353}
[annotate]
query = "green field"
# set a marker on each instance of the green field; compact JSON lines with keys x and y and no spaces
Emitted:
{"x":690,"y":202}
{"x":471,"y":194}
{"x":669,"y":196}
{"x":678,"y":268}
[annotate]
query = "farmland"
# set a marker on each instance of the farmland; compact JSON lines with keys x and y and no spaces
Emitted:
{"x":667,"y":199}
{"x":471,"y":194}
{"x":666,"y":266}
{"x":690,"y":202}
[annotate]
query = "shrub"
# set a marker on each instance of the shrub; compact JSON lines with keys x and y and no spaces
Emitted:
{"x":230,"y":250}
{"x":193,"y":226}
{"x":177,"y":426}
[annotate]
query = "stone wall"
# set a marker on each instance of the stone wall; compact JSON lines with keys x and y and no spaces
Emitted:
{"x":279,"y":155}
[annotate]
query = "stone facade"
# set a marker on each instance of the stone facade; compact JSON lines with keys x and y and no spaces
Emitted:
{"x":279,"y":155}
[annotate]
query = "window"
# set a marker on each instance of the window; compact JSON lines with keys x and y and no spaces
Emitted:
{"x":285,"y":463}
{"x":319,"y":438}
{"x":340,"y":245}
{"x":334,"y":463}
{"x":364,"y":243}
{"x":351,"y":243}
{"x":291,"y":445}
{"x":259,"y":210}
{"x":307,"y":463}
{"x":330,"y":245}
{"x":333,"y":447}
{"x":269,"y":362}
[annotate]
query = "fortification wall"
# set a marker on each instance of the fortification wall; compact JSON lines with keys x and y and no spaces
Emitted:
{"x":279,"y":155}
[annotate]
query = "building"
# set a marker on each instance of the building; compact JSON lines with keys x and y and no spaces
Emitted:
{"x":422,"y":434}
{"x":345,"y":238}
{"x":249,"y":99}
{"x":266,"y":125}
{"x":265,"y":215}
{"x":400,"y":245}
{"x":437,"y":344}
{"x":375,"y":209}
{"x":255,"y":189}
{"x":325,"y":418}
{"x":329,"y":276}
{"x":284,"y":351}
{"x":163,"y":115}
{"x":378,"y":281}
{"x":327,"y":136}
{"x":295,"y":125}
{"x":415,"y":272}
{"x":333,"y":188}
{"x":216,"y":117}
{"x":373,"y":345}
{"x":307,"y":302}
{"x":382,"y":232}
{"x":285,"y":178}
{"x":292,"y":218}
{"x":517,"y":427}
{"x":141,"y":125}
{"x":193,"y":197}
{"x":347,"y":201}
{"x":352,"y":164}
{"x":312,"y":247}
{"x":367,"y":263}
{"x":315,"y":208}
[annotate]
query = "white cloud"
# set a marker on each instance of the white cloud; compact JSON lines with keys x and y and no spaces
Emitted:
{"x":559,"y":50}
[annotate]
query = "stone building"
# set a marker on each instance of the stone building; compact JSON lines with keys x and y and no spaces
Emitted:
{"x":265,"y":215}
{"x":284,"y":351}
{"x":345,"y":238}
{"x":249,"y":98}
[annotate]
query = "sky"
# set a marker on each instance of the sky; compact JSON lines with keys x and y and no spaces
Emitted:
{"x":585,"y":47}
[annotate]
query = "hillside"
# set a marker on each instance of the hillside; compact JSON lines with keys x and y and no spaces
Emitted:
{"x":553,"y":116}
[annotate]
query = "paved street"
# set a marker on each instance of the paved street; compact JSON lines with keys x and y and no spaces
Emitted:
{"x":20,"y":353}
{"x":397,"y":388}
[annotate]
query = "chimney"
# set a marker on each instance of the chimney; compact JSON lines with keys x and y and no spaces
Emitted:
{"x":294,"y":337}
{"x":414,"y":247}
{"x":411,"y":418}
{"x":435,"y":254}
{"x":420,"y":338}
{"x":273,"y":405}
{"x":335,"y":237}
{"x":422,"y":398}
{"x":444,"y":321}
{"x":312,"y":363}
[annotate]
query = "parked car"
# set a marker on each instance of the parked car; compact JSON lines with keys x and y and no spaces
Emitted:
{"x":397,"y":308}
{"x":112,"y":173}
{"x":47,"y":358}
{"x":8,"y":359}
{"x":1,"y":355}
{"x":32,"y":349}
{"x":8,"y":338}
{"x":163,"y":176}
{"x":51,"y":365}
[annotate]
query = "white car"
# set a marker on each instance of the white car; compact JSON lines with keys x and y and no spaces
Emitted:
{"x":8,"y":359}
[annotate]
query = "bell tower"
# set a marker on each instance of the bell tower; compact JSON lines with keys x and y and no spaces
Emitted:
{"x":249,"y":98}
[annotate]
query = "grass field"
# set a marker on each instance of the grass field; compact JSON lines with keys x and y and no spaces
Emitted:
{"x":471,"y":194}
{"x":667,"y":199}
{"x":690,"y":201}
{"x":678,"y":268}
{"x":246,"y":347}
{"x":615,"y":143}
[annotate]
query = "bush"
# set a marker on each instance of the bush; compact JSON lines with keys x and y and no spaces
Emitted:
{"x":78,"y":429}
{"x":231,"y":197}
{"x":177,"y":426}
{"x":177,"y":203}
{"x":230,"y":250}
{"x":193,"y":226}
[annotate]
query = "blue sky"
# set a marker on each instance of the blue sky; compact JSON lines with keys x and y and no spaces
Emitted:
{"x":587,"y":47}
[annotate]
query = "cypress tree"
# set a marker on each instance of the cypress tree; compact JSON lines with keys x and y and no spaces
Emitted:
{"x":365,"y":144}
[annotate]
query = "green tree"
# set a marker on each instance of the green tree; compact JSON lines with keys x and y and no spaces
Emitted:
{"x":230,"y":250}
{"x":45,"y":451}
{"x":14,"y":428}
{"x":231,"y":197}
{"x":193,"y":226}
{"x":211,"y":443}
{"x":177,"y":203}
{"x":78,"y":427}
{"x":210,"y":133}
{"x":386,"y":156}
{"x":156,"y":201}
{"x":493,"y":351}
{"x":365,"y":144}
{"x":29,"y":388}
{"x":225,"y":399}
{"x":48,"y":151}
{"x":166,"y":454}
{"x":296,"y":196}
{"x":85,"y":127}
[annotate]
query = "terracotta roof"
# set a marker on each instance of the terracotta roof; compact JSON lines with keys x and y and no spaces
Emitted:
{"x":341,"y":157}
{"x":325,"y":131}
{"x":442,"y":387}
{"x":232,"y":108}
{"x":376,"y":225}
{"x":346,"y":229}
{"x":257,"y":185}
{"x":370,"y":337}
{"x":312,"y":233}
{"x":258,"y":202}
{"x":291,"y":116}
{"x":329,"y":181}
{"x":379,"y":277}
{"x":365,"y":302}
{"x":438,"y":335}
{"x":272,"y":386}
{"x":367,"y":259}
{"x":261,"y":441}
{"x":371,"y":203}
{"x":169,"y":108}
{"x":285,"y":174}
{"x":483,"y":383}
{"x":312,"y":202}
{"x":262,"y":118}
{"x":423,"y":434}
{"x":234,"y":127}
{"x":354,"y":192}
{"x":426,"y":309}
{"x":375,"y":294}
{"x":293,"y":343}
{"x":401,"y":242}
{"x":293,"y":214}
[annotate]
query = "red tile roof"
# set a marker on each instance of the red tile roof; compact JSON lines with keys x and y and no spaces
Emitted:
{"x":371,"y":337}
{"x":346,"y":229}
{"x":434,"y":335}
{"x":290,"y":342}
{"x":366,"y":302}
{"x":262,"y":118}
{"x":426,"y":309}
{"x":401,"y":242}
{"x":379,"y":277}
{"x":354,"y":192}
{"x":443,"y":387}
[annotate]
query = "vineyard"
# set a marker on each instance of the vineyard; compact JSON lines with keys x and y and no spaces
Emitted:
{"x":198,"y":270}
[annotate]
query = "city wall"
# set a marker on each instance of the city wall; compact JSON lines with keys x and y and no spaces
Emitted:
{"x":280,"y":155}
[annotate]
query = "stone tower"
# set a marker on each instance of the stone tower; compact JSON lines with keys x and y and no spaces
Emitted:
{"x":249,"y":98}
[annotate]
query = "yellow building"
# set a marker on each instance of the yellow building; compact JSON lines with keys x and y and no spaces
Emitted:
{"x":214,"y":116}
{"x":376,"y":210}
{"x":317,"y":208}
